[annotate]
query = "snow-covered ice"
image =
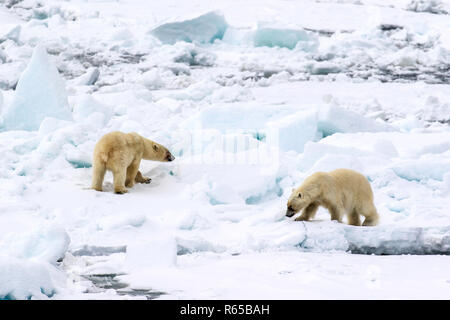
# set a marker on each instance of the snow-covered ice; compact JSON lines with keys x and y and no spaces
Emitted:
{"x":203,"y":29}
{"x":251,"y":98}
{"x":40,"y":93}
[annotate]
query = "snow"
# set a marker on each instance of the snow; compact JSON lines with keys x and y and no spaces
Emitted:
{"x":251,"y":98}
{"x":159,"y":252}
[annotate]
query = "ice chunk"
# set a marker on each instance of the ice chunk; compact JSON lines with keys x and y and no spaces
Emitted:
{"x":385,"y":147}
{"x":280,"y":126}
{"x":28,"y":261}
{"x":13,"y":34}
{"x":49,"y":246}
{"x":51,"y":144}
{"x":380,"y":240}
{"x":427,"y":167}
{"x":47,"y":11}
{"x":193,"y":55}
{"x":196,"y":91}
{"x":117,"y":222}
{"x":234,"y":93}
{"x":295,"y":130}
{"x":398,"y":240}
{"x":78,"y":158}
{"x":40,"y":93}
{"x":335,"y":161}
{"x":187,"y":246}
{"x":235,"y":168}
{"x":152,"y":80}
{"x":332,"y":119}
{"x":50,"y":125}
{"x":447,"y":182}
{"x":314,"y":151}
{"x":122,"y":34}
{"x":252,"y":116}
{"x":285,"y":38}
{"x":203,"y":29}
{"x":46,"y":245}
{"x":432,"y":6}
{"x":93,"y":251}
{"x":237,"y":36}
{"x":1,"y":103}
{"x":87,"y":106}
{"x":22,"y":279}
{"x":323,"y":236}
{"x":2,"y":56}
{"x":87,"y":79}
{"x":324,"y":67}
{"x":408,"y":123}
{"x":172,"y":104}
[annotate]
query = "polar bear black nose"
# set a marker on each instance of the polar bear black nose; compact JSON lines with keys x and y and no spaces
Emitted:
{"x":170,"y":157}
{"x":290,"y":211}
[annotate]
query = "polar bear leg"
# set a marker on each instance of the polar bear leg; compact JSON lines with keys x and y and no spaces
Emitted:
{"x":354,"y":219}
{"x":98,"y":175}
{"x":371,"y":215}
{"x":132,"y":171}
{"x":336,"y":213}
{"x":119,"y":180}
{"x":141,"y":179}
{"x":309,"y":212}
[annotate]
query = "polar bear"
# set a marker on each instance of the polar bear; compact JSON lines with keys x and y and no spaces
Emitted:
{"x":341,"y":191}
{"x":121,"y":153}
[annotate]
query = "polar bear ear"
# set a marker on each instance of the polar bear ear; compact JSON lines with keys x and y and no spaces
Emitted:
{"x":155,"y":147}
{"x":299,"y":195}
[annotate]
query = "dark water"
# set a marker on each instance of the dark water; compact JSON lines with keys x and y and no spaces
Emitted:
{"x":110,"y":281}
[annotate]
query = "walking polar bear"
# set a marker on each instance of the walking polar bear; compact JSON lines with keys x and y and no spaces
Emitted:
{"x":121,"y":153}
{"x":341,"y":191}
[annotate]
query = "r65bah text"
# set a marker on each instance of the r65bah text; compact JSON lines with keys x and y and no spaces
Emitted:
{"x":246,"y":309}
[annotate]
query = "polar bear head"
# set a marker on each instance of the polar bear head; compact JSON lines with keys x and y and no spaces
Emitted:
{"x":157,"y":152}
{"x":297,"y":201}
{"x":304,"y":195}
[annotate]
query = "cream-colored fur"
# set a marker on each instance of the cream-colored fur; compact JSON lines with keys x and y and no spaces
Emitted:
{"x":342,"y":192}
{"x":121,"y":153}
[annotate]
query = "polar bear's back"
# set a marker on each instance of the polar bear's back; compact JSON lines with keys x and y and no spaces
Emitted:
{"x":117,"y":144}
{"x":354,"y":182}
